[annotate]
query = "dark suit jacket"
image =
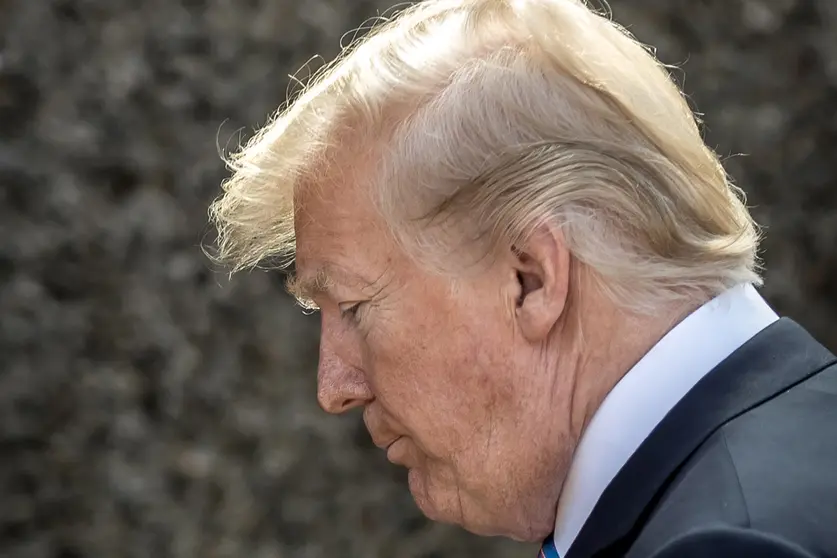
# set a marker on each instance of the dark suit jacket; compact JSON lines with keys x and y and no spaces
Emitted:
{"x":745,"y":466}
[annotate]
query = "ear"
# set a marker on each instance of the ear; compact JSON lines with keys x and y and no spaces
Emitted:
{"x":542,"y":269}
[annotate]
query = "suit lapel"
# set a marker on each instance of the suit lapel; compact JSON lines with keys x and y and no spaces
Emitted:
{"x":776,"y":359}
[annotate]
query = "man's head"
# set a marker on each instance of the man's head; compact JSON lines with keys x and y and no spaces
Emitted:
{"x":497,"y":206}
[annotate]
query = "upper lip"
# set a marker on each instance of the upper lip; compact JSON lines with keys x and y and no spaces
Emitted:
{"x":386,"y":445}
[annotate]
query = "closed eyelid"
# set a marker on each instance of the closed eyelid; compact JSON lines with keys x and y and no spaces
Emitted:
{"x":337,"y":285}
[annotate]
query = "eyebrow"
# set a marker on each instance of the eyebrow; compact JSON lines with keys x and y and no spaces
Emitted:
{"x":306,"y":289}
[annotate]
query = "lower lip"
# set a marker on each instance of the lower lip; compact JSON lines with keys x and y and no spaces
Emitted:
{"x":392,"y":450}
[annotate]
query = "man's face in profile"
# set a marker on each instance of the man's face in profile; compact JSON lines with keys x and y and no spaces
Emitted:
{"x":438,"y":366}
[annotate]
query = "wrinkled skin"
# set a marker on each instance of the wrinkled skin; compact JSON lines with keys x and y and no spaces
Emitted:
{"x":475,"y":385}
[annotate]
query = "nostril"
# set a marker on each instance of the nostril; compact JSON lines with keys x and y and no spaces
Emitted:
{"x":336,"y":403}
{"x":353,"y":403}
{"x":337,"y":398}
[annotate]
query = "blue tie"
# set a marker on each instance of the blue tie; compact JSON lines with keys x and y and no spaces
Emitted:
{"x":548,"y":549}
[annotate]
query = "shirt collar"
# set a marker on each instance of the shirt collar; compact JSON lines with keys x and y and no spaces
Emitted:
{"x":642,"y":398}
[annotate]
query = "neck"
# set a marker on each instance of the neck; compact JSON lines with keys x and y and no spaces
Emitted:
{"x":586,"y":356}
{"x":608,"y":343}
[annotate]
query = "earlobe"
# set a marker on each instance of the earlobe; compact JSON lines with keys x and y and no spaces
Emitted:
{"x":543,"y":275}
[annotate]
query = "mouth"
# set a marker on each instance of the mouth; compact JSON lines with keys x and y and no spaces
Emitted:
{"x":389,"y":444}
{"x":393,"y":450}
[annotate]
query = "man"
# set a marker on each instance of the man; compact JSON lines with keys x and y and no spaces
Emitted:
{"x":538,"y":283}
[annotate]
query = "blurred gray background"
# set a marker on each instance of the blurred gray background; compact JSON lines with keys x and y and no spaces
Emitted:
{"x":148,"y":406}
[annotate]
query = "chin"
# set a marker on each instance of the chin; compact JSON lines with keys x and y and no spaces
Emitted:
{"x":520,"y":534}
{"x":418,"y":490}
{"x":484,"y":526}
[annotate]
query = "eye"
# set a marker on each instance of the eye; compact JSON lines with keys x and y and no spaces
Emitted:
{"x":348,"y":310}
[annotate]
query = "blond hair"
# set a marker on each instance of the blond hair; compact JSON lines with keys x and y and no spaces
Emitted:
{"x":502,"y":115}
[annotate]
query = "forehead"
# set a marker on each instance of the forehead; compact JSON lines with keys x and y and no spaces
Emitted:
{"x":339,"y":235}
{"x":332,"y":215}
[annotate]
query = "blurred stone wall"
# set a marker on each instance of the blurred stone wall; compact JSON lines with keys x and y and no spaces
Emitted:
{"x":149,"y":407}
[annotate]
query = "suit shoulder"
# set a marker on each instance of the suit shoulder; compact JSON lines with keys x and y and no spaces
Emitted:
{"x":705,"y":491}
{"x":784,"y":456}
{"x":729,"y":542}
{"x":769,"y":469}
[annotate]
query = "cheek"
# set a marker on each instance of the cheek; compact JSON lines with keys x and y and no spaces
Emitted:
{"x":440,"y":375}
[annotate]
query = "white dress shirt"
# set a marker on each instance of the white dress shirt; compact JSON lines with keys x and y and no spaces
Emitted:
{"x":643,"y":397}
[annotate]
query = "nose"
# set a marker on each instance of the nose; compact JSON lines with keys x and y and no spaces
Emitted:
{"x":340,"y":386}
